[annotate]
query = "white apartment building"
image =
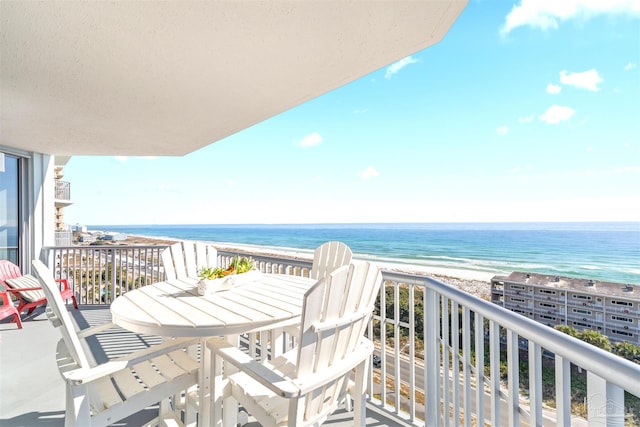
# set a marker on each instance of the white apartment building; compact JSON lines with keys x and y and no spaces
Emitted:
{"x":612,"y":309}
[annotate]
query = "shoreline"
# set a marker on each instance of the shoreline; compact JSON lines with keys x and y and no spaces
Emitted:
{"x":477,"y":283}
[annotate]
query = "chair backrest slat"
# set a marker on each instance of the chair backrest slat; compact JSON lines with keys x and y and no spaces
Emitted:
{"x":206,"y":256}
{"x":62,"y":317}
{"x":8,"y":270}
{"x":329,"y":256}
{"x":177,"y":254}
{"x":189,"y":250}
{"x":167,"y":263}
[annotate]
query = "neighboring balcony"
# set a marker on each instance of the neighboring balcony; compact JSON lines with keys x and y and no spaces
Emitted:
{"x":443,"y":357}
{"x":63,"y":193}
{"x":64,"y":238}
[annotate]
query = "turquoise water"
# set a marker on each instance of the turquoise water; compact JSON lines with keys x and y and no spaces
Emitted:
{"x":602,"y":251}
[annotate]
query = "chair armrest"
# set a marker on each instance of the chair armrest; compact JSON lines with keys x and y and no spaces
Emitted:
{"x":5,"y":298}
{"x":18,"y":290}
{"x":269,"y":378}
{"x":319,"y":379}
{"x":84,"y":375}
{"x":95,"y":329}
{"x":65,"y":283}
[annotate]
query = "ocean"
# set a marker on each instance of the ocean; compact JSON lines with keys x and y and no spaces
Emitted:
{"x":600,"y":251}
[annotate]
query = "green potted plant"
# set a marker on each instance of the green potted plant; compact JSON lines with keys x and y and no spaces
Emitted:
{"x":241,"y":270}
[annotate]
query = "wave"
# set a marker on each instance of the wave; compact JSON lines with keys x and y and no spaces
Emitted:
{"x":590,"y":267}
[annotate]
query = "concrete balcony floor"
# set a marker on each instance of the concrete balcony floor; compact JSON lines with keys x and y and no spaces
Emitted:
{"x":32,"y":392}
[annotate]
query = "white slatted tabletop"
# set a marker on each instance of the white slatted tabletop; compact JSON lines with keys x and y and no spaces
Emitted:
{"x":174,"y":308}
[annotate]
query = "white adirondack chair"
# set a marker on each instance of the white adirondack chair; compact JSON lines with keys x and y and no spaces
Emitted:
{"x":326,"y":258}
{"x":329,"y":256}
{"x":104,"y":394}
{"x":185,"y":259}
{"x":306,"y":384}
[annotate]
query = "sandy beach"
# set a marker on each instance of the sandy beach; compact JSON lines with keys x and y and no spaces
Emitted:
{"x":477,"y":283}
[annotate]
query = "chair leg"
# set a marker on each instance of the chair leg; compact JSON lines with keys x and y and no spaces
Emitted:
{"x":360,"y":395}
{"x":359,"y":410}
{"x":17,"y":320}
{"x":78,"y":412}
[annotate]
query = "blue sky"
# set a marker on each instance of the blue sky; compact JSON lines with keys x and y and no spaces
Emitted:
{"x":526,"y":111}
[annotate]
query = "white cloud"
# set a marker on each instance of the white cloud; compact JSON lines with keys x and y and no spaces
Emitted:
{"x":369,"y":172}
{"x":556,"y":114}
{"x":121,"y":159}
{"x":361,"y":111}
{"x":526,"y":119}
{"x":310,"y":140}
{"x":502,"y":130}
{"x":630,"y":66}
{"x":586,"y":80}
{"x":397,"y":66}
{"x":546,"y":14}
{"x":553,"y":89}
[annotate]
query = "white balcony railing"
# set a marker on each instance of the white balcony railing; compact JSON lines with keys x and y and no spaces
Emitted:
{"x":447,"y":357}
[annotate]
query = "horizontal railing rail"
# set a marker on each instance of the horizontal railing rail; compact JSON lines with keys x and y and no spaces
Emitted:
{"x":444,"y":357}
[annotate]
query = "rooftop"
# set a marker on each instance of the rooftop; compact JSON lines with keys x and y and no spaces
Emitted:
{"x":621,"y":290}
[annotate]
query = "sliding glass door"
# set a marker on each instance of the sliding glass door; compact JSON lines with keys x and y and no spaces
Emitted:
{"x":9,"y":208}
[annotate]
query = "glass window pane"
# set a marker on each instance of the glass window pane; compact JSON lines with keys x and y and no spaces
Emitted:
{"x":9,"y":209}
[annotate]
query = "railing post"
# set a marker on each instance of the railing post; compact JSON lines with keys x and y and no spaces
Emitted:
{"x":455,"y":328}
{"x":412,"y":352}
{"x":432,"y":359}
{"x":445,"y":316}
{"x":563,"y":391}
{"x":466,"y":365}
{"x":605,"y":403}
{"x":494,"y":366}
{"x":535,"y":384}
{"x":112,"y":256}
{"x":479,"y":345}
{"x":513,"y":368}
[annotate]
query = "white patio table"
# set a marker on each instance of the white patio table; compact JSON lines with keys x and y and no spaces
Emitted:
{"x":174,"y":309}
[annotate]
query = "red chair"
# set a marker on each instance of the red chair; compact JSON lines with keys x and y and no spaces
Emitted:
{"x":8,"y":309}
{"x":27,"y":289}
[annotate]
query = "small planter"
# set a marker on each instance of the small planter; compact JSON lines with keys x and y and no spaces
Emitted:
{"x":210,"y":286}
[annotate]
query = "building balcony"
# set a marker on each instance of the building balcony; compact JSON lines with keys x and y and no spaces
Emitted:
{"x":434,"y":345}
{"x":63,"y":193}
{"x":63,"y":237}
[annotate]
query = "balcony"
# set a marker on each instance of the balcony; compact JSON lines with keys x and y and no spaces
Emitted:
{"x":63,"y":193}
{"x":436,"y":344}
{"x":63,"y":237}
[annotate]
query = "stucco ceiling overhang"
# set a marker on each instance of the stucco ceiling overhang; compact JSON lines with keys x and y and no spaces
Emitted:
{"x":170,"y":77}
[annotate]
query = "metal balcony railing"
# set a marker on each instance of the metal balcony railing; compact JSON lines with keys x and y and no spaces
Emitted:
{"x":446,"y":357}
{"x":63,"y":190}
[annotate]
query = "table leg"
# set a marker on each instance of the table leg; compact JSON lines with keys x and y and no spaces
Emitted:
{"x":230,"y":404}
{"x":204,"y":389}
{"x":277,"y":342}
